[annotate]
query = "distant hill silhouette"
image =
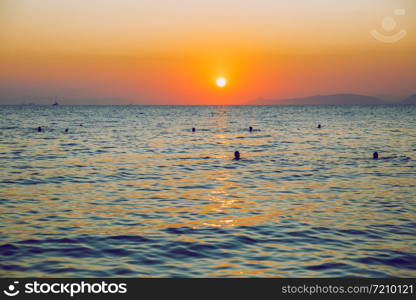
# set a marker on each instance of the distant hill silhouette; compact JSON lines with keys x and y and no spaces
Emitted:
{"x":411,"y":100}
{"x":336,"y":99}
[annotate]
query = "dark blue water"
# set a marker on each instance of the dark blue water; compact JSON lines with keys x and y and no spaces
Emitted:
{"x":134,"y":192}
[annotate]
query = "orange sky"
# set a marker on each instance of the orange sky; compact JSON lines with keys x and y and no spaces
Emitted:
{"x":171,"y":52}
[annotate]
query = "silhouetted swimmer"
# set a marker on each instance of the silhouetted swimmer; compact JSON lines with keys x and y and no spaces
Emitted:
{"x":66,"y":130}
{"x":319,"y":126}
{"x":237,"y":155}
{"x":81,"y":125}
{"x":39,"y":129}
{"x":250,"y":129}
{"x":193,"y":129}
{"x":375,"y":155}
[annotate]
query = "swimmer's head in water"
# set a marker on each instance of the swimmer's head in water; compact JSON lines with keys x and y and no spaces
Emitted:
{"x":236,"y":155}
{"x":193,"y":129}
{"x":66,"y":130}
{"x":39,"y":129}
{"x":250,"y":128}
{"x":319,"y":126}
{"x":375,"y":155}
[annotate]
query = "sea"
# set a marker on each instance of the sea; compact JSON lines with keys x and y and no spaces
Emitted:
{"x":131,"y":191}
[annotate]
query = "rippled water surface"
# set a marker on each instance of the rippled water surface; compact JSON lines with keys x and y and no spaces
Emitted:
{"x":134,"y":192}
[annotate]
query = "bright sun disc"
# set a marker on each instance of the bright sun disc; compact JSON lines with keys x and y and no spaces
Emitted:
{"x":221,"y":82}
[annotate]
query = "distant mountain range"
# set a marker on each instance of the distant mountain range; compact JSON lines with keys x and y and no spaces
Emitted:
{"x":336,"y":99}
{"x":411,"y":100}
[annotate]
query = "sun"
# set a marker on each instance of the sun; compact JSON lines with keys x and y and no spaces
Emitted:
{"x":221,"y":82}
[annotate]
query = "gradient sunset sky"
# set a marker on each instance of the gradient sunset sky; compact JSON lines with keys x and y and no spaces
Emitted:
{"x":172,"y":52}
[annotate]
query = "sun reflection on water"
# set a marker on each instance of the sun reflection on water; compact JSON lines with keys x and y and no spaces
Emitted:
{"x":153,"y":194}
